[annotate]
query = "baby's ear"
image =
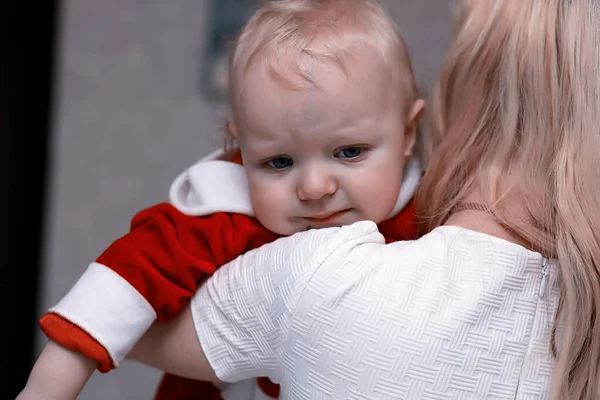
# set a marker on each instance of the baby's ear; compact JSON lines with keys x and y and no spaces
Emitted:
{"x":231,"y":129}
{"x":412,"y":126}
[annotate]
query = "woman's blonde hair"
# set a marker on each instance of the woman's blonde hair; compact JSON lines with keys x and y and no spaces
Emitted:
{"x":516,"y":117}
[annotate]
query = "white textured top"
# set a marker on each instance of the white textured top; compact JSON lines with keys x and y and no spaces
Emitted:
{"x":337,"y":314}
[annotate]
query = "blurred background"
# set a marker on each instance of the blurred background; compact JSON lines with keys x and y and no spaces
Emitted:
{"x":103,"y":104}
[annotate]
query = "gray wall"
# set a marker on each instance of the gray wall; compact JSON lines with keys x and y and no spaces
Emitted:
{"x":129,"y":117}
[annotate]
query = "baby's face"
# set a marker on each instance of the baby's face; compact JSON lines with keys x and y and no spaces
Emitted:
{"x":324,"y":157}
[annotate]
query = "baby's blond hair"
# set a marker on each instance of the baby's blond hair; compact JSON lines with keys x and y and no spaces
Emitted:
{"x":282,"y":33}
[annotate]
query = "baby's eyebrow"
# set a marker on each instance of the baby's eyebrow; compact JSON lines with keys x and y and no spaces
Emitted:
{"x":267,"y":147}
{"x":261,"y":153}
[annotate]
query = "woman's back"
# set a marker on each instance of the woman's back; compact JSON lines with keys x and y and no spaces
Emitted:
{"x":456,"y":314}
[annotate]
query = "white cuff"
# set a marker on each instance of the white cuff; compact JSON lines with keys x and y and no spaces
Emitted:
{"x":109,"y":309}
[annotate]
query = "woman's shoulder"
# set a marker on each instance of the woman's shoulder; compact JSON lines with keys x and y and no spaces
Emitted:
{"x":448,"y":237}
{"x":323,"y":242}
{"x":319,"y":244}
{"x":360,"y":247}
{"x":443,"y":244}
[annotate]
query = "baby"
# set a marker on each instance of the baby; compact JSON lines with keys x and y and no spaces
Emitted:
{"x":325,"y":116}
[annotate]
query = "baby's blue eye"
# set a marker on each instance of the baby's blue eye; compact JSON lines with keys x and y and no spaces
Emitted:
{"x":280,"y":163}
{"x":349,"y":152}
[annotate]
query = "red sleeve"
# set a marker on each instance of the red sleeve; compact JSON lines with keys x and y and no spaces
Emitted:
{"x":163,"y":257}
{"x":166,"y":252}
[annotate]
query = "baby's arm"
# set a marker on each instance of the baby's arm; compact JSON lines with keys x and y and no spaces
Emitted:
{"x":58,"y":374}
{"x":148,"y":274}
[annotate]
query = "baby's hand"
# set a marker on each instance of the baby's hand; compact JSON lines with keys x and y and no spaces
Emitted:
{"x":58,"y":374}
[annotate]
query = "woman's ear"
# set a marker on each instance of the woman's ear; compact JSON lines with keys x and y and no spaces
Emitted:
{"x":232,"y":129}
{"x":411,"y":127}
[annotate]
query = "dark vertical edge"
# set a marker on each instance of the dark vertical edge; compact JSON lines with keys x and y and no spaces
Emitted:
{"x":27,"y":58}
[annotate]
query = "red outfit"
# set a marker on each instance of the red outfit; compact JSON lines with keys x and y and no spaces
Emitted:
{"x":164,"y":256}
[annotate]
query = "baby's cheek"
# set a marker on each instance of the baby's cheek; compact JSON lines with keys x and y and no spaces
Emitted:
{"x":260,"y":202}
{"x":270,"y":206}
{"x":382,"y":193}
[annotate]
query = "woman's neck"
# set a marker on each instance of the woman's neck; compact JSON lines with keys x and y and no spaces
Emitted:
{"x":480,"y":220}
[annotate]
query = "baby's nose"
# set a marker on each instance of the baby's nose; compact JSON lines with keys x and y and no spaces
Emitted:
{"x":315,"y":185}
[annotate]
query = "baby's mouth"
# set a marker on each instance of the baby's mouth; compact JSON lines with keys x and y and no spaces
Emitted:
{"x":327,"y":218}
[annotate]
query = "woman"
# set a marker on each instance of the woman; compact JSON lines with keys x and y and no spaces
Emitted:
{"x":497,"y":299}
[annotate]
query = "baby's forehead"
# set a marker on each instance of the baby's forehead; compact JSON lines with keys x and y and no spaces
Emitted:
{"x":356,"y":81}
{"x":317,"y":64}
{"x":339,"y":103}
{"x":333,"y":92}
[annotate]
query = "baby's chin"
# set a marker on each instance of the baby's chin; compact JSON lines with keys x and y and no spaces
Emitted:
{"x":303,"y":226}
{"x":290,"y":229}
{"x":348,"y":220}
